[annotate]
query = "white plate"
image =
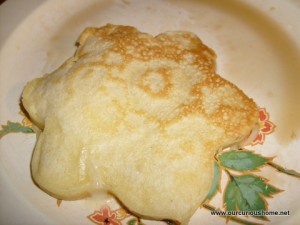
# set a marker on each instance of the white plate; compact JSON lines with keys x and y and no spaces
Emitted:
{"x":258,"y":48}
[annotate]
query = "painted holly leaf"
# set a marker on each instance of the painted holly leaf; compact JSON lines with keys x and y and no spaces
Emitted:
{"x":216,"y":182}
{"x":13,"y":127}
{"x":247,"y":192}
{"x":242,"y":160}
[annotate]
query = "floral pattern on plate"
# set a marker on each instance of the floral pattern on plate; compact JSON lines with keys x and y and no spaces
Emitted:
{"x":243,"y":162}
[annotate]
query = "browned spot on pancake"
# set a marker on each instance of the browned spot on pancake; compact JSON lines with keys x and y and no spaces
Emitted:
{"x":157,"y":83}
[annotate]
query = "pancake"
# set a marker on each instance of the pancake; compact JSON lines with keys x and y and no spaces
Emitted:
{"x":138,"y":116}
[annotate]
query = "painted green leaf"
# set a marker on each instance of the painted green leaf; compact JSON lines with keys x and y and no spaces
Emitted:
{"x":256,"y":183}
{"x":232,"y":194}
{"x":246,"y":193}
{"x":216,"y":182}
{"x":12,"y":127}
{"x":284,"y":170}
{"x":131,"y":222}
{"x":135,"y":222}
{"x":242,"y":160}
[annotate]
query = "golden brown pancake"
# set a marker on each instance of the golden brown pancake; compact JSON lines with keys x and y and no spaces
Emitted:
{"x":138,"y":116}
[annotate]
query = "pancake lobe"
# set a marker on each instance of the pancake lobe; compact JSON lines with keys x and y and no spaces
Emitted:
{"x":138,"y":116}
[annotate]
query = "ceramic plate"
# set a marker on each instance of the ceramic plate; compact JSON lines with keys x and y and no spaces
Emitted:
{"x":258,"y":49}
